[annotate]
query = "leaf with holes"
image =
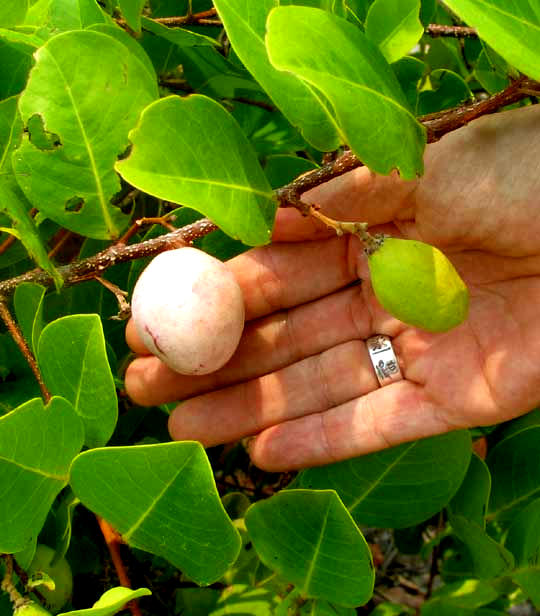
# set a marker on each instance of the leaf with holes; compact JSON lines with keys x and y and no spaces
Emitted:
{"x":65,"y":164}
{"x":162,"y":499}
{"x":37,"y":445}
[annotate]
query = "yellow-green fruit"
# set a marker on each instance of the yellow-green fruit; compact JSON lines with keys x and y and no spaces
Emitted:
{"x":59,"y":571}
{"x":418,"y":285}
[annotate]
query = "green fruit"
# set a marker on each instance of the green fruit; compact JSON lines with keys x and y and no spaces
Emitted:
{"x":418,"y":285}
{"x":32,"y":609}
{"x":59,"y":571}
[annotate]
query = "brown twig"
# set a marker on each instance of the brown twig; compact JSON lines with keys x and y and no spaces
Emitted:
{"x":61,"y":241}
{"x":8,"y":586}
{"x":89,"y":268}
{"x":9,"y":241}
{"x":185,"y":20}
{"x":437,"y":125}
{"x":124,"y":309}
{"x":113,"y":541}
{"x":437,"y":30}
{"x":17,"y":336}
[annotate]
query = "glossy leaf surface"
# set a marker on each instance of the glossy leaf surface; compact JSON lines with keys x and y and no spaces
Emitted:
{"x":301,"y":103}
{"x":394,"y":25}
{"x":370,"y":107}
{"x":221,"y":177}
{"x":400,"y":486}
{"x":511,"y":27}
{"x":174,"y":509}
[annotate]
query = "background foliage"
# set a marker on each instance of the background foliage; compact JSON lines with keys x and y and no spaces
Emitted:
{"x":117,"y":110}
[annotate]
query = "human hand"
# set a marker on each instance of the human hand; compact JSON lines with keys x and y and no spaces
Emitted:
{"x":301,"y":379}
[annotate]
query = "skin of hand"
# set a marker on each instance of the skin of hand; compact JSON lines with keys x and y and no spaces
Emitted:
{"x":301,"y":379}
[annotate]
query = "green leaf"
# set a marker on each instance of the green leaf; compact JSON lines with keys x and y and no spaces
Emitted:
{"x":487,"y":75}
{"x":394,"y":26}
{"x":397,"y":487}
{"x":448,"y":90}
{"x":28,"y":302}
{"x":529,"y":581}
{"x":515,"y":474}
{"x":110,"y":602}
{"x":301,"y":103}
{"x":16,"y":61}
{"x":73,"y":362}
{"x":133,"y":47}
{"x":523,"y":539}
{"x":370,"y":107}
{"x":37,"y":445}
{"x":309,"y":539}
{"x":243,"y":600}
{"x":162,"y":499}
{"x":221,"y":178}
{"x":12,"y":12}
{"x":490,"y":558}
{"x":471,"y":499}
{"x":66,"y":15}
{"x":409,"y":71}
{"x":131,"y":10}
{"x":511,"y":27}
{"x":427,"y":11}
{"x":73,"y":181}
{"x":12,"y":201}
{"x":178,"y":36}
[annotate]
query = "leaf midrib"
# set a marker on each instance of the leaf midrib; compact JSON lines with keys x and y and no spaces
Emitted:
{"x":100,"y":192}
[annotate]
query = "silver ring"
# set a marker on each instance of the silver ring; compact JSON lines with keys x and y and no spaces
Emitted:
{"x":384,"y":360}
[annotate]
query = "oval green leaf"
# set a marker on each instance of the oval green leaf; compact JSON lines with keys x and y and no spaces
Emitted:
{"x":397,"y":487}
{"x":370,"y":107}
{"x":110,"y":602}
{"x":162,"y":499}
{"x":219,"y":177}
{"x":309,"y":538}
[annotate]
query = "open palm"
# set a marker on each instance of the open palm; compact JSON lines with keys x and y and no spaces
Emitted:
{"x":301,"y":379}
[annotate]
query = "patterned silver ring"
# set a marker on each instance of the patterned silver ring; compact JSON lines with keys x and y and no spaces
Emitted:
{"x":384,"y":360}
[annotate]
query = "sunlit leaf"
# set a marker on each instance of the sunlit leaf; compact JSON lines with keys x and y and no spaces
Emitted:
{"x":221,"y":178}
{"x":370,"y":107}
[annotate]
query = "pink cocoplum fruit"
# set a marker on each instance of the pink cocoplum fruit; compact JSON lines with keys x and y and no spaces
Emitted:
{"x":188,"y":310}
